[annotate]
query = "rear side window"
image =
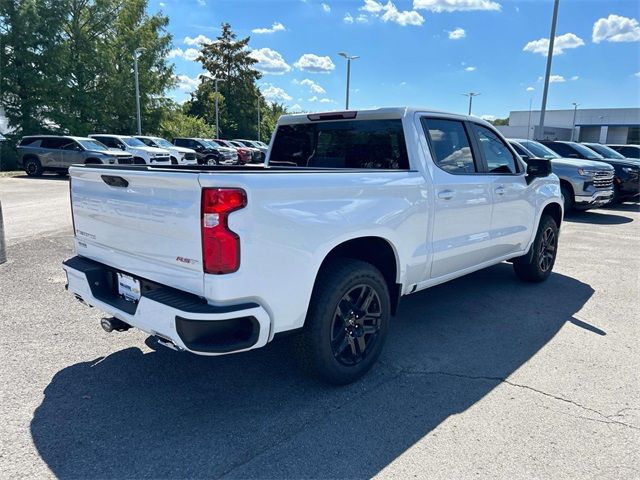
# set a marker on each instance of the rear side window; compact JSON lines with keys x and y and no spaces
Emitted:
{"x":31,"y":141}
{"x":562,"y":149}
{"x":450,"y":145}
{"x":368,"y":144}
{"x":54,"y":143}
{"x":497,"y":155}
{"x":630,"y":152}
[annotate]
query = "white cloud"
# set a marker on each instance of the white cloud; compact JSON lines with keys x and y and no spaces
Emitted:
{"x":326,"y":8}
{"x":470,"y":69}
{"x":313,"y":86}
{"x":404,"y":18}
{"x":326,"y":100}
{"x":637,"y":74}
{"x":371,"y":6}
{"x":530,"y":89}
{"x":276,"y":27}
{"x":554,"y":79}
{"x":439,"y":6}
{"x":562,"y":42}
{"x":575,"y":77}
{"x":616,"y":29}
{"x":348,"y":18}
{"x":313,"y":99}
{"x":390,"y":13}
{"x":275,"y":94}
{"x":295,"y":108}
{"x":202,"y":3}
{"x":362,"y":18}
{"x":162,"y":5}
{"x":269,"y":61}
{"x":310,"y":62}
{"x":457,"y":34}
{"x":189,"y":54}
{"x":199,"y":40}
{"x":186,"y":83}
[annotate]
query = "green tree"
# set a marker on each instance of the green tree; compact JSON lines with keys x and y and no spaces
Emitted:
{"x":228,"y":58}
{"x":178,"y":124}
{"x":30,"y":53}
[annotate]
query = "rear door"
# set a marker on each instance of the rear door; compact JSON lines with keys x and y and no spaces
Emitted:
{"x":51,"y":155}
{"x":140,"y":222}
{"x":462,"y":213}
{"x":72,"y":153}
{"x":513,"y":208}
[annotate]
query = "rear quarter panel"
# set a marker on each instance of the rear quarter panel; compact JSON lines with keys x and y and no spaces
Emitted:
{"x":293,"y":220}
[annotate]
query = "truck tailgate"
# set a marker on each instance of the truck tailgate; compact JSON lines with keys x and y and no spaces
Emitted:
{"x":146,"y":224}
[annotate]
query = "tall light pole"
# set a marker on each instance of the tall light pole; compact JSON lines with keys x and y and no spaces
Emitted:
{"x":349,"y":58}
{"x":529,"y":124}
{"x":136,"y":54}
{"x":575,"y":110}
{"x":471,"y":95}
{"x":258,"y":117}
{"x":216,"y":80}
{"x":552,"y":39}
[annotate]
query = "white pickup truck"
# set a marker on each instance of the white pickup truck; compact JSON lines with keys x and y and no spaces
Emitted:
{"x":351,"y":211}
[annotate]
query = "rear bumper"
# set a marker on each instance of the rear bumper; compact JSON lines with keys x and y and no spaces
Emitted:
{"x":188,"y":321}
{"x":596,"y":199}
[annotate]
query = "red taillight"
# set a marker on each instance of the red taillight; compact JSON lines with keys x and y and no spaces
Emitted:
{"x":220,"y":246}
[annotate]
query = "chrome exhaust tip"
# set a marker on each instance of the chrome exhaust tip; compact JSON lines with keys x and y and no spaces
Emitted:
{"x":111,"y":324}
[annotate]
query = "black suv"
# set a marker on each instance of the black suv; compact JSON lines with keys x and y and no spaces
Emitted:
{"x":626,"y":182}
{"x":206,"y":153}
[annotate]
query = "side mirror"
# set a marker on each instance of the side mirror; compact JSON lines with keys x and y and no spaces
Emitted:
{"x":538,"y":168}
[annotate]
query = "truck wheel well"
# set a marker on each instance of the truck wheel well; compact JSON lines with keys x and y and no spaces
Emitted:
{"x":30,"y":156}
{"x":139,"y":161}
{"x":376,"y":251}
{"x":553,"y":210}
{"x":564,"y":183}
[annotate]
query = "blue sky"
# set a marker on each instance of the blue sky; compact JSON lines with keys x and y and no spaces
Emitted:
{"x":422,"y":52}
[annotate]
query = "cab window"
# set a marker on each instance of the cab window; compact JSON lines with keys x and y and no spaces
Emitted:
{"x":497,"y":155}
{"x":450,"y":145}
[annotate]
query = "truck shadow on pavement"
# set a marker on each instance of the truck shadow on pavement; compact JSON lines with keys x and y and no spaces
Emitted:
{"x":597,"y":218}
{"x":168,"y":415}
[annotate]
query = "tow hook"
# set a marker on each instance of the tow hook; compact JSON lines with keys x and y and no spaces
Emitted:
{"x":111,"y":324}
{"x":166,"y":342}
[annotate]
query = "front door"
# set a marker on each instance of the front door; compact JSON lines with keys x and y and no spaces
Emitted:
{"x":513,"y":208}
{"x":462,"y":198}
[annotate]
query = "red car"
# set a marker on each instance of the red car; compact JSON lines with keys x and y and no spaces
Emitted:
{"x":244,"y":154}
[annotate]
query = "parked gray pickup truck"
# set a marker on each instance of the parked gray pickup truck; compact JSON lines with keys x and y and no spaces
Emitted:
{"x":585,"y":184}
{"x":37,"y":154}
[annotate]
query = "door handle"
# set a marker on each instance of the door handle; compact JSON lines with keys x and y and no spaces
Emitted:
{"x":500,"y":190}
{"x":446,"y":194}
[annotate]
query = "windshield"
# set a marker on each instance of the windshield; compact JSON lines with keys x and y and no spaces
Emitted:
{"x":605,"y":151}
{"x":93,"y":145}
{"x":539,"y":150}
{"x":219,"y":143}
{"x":586,"y":152}
{"x":226,"y":143}
{"x":210,"y":144}
{"x":161,"y":142}
{"x":133,"y":142}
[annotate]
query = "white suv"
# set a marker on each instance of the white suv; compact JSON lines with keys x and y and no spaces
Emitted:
{"x":142,"y":154}
{"x":179,"y":155}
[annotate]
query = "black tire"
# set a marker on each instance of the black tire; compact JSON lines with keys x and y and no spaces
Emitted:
{"x":616,"y":195}
{"x":211,"y":160}
{"x":33,"y":167}
{"x":347,"y":322}
{"x":568,"y":199}
{"x":536,"y":266}
{"x":174,"y":161}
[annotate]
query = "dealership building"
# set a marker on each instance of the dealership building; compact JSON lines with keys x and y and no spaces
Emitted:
{"x":602,"y":125}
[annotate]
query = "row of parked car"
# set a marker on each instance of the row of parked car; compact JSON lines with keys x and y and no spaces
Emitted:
{"x":591,"y":174}
{"x":56,"y":153}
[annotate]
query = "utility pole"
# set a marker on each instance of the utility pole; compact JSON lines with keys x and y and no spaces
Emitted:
{"x":575,"y":110}
{"x":349,"y":58}
{"x":471,"y":95}
{"x":258,"y":118}
{"x":136,"y":55}
{"x":552,"y":39}
{"x":216,"y":80}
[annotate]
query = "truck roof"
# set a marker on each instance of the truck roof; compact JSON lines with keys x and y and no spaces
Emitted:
{"x":371,"y":114}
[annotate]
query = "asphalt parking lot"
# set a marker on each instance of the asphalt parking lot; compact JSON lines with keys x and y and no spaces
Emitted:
{"x":482,"y":377}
